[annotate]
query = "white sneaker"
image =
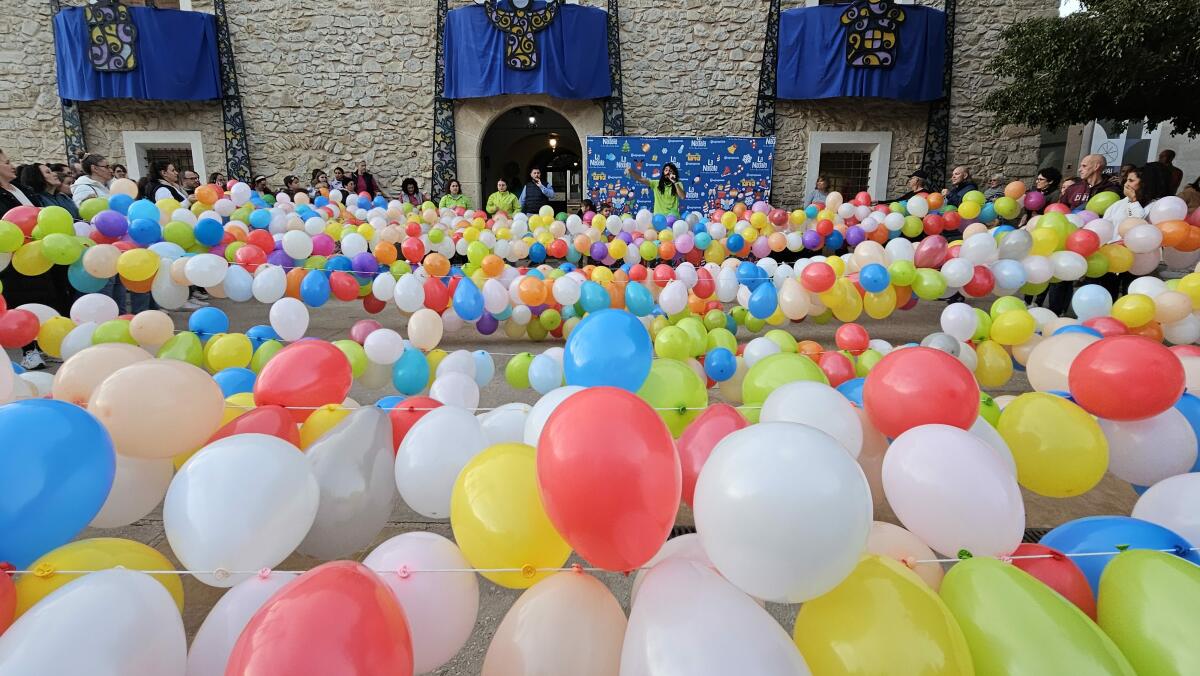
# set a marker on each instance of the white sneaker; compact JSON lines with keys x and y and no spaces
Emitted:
{"x":200,"y":295}
{"x":198,"y":301}
{"x":192,"y":305}
{"x":33,"y":361}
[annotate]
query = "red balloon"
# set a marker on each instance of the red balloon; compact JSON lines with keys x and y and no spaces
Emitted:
{"x":818,"y":277}
{"x":982,"y":282}
{"x":23,"y":217}
{"x":413,"y":250}
{"x":18,"y":328}
{"x":307,"y":374}
{"x":1083,"y":242}
{"x":609,"y":477}
{"x":338,"y":618}
{"x":343,"y":286}
{"x":372,"y":304}
{"x":930,"y":252}
{"x":663,"y":273}
{"x":406,"y":414}
{"x":953,"y":220}
{"x":698,"y":440}
{"x":919,"y":386}
{"x":824,"y":227}
{"x":851,"y":337}
{"x":8,"y":600}
{"x":437,"y":296}
{"x":934,"y":224}
{"x":837,"y":367}
{"x":273,"y":420}
{"x":1126,"y":378}
{"x":1110,"y":326}
{"x":1058,"y":573}
{"x":637,"y":272}
{"x":261,"y":239}
{"x":705,"y":285}
{"x":3,"y":305}
{"x":250,"y":257}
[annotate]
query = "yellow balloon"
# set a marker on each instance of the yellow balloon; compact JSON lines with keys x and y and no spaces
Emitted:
{"x":498,"y":519}
{"x":434,"y":357}
{"x":138,"y":265}
{"x":1014,"y":327}
{"x":880,"y":305}
{"x":1120,"y":258}
{"x":1135,"y":310}
{"x":993,"y":365}
{"x":1045,"y":241}
{"x":1189,"y":285}
{"x":852,"y":303}
{"x":232,"y":350}
{"x":882,"y":619}
{"x":50,"y":335}
{"x":1059,"y":449}
{"x":30,"y":261}
{"x":968,"y":209}
{"x":92,"y":554}
{"x":838,"y":265}
{"x":321,"y":421}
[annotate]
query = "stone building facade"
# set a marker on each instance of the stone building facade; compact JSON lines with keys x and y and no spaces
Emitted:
{"x":324,"y":85}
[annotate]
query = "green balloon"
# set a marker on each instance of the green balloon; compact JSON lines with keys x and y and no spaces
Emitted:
{"x":1015,"y":624}
{"x":672,"y":343}
{"x":1101,"y":202}
{"x":516,"y":372}
{"x":437,"y":235}
{"x":912,"y":228}
{"x":697,"y":335}
{"x":721,"y":337}
{"x":754,"y":324}
{"x":11,"y":237}
{"x":263,"y":354}
{"x":91,"y":207}
{"x":550,"y":319}
{"x":1147,"y":606}
{"x":315,"y":263}
{"x":536,"y":331}
{"x":824,"y":317}
{"x":1005,"y":304}
{"x":232,"y":249}
{"x":976,"y":197}
{"x":989,"y":410}
{"x":185,"y":346}
{"x":771,"y":372}
{"x":983,"y":328}
{"x":902,"y":273}
{"x":114,"y":331}
{"x":676,"y":391}
{"x":179,"y":233}
{"x":866,"y":361}
{"x":713,"y":319}
{"x":929,"y":284}
{"x":1097,"y":265}
{"x":1034,"y":289}
{"x":1007,"y":207}
{"x":739,"y":315}
{"x":354,"y":354}
{"x":782,"y":338}
{"x":61,"y":249}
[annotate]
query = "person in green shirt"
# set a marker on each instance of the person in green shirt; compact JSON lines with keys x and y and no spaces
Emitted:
{"x":667,"y":189}
{"x":502,"y":200}
{"x":455,"y":198}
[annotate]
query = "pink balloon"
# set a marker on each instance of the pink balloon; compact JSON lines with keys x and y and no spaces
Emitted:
{"x":931,"y":252}
{"x":363,"y":328}
{"x":699,"y":439}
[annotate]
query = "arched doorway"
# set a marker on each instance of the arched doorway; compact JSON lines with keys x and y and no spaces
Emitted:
{"x":529,"y":136}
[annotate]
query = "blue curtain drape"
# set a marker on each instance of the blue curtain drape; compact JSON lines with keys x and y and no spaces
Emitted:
{"x":812,"y":57}
{"x":572,"y":56}
{"x":176,"y":58}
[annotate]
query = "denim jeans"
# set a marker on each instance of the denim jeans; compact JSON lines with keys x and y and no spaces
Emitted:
{"x":138,"y":302}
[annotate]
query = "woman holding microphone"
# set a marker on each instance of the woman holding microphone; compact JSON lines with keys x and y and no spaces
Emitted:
{"x":667,"y":189}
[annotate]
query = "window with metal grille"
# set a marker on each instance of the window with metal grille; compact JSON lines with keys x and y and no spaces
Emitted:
{"x":848,"y":171}
{"x":180,"y":156}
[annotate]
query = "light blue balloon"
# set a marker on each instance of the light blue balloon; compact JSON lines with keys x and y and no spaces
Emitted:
{"x":238,"y":284}
{"x":609,"y":347}
{"x":468,"y":301}
{"x":142,"y":209}
{"x":56,"y":469}
{"x":545,"y":374}
{"x":485,"y":367}
{"x":638,"y":299}
{"x":81,"y":280}
{"x":593,"y":297}
{"x":167,"y":250}
{"x":314,"y":289}
{"x":260,"y":334}
{"x":1010,"y":275}
{"x":1091,"y":301}
{"x":763,"y":301}
{"x":410,"y":373}
{"x":390,"y":402}
{"x":234,"y":380}
{"x":853,"y":390}
{"x":1106,"y":534}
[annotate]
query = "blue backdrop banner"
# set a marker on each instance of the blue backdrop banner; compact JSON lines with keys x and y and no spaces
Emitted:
{"x":571,"y":61}
{"x":836,"y":50}
{"x":176,"y":58}
{"x":718,"y":171}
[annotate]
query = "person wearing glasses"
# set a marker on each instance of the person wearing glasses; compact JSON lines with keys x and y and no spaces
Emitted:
{"x":94,"y":182}
{"x":191,"y":181}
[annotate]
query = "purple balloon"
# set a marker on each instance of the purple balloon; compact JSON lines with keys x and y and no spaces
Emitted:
{"x":537,"y":310}
{"x":111,"y":223}
{"x":626,"y":237}
{"x":761,"y":206}
{"x":364,"y":263}
{"x":855,"y":235}
{"x":671,"y":218}
{"x":1034,"y":200}
{"x":599,"y":250}
{"x":281,"y":259}
{"x":487,"y":324}
{"x":812,"y":240}
{"x":322,"y":244}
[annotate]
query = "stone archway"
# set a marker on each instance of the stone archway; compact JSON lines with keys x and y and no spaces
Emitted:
{"x":473,"y":117}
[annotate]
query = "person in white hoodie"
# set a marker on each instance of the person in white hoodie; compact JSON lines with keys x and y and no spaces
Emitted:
{"x":1143,"y":186}
{"x":94,"y":182}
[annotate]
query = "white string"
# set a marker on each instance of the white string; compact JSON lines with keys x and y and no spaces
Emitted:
{"x":400,"y":406}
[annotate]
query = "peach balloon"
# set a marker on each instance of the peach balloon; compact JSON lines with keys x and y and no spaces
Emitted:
{"x":79,"y":376}
{"x":1015,"y":190}
{"x":894,"y":542}
{"x":1021,"y":352}
{"x":100,"y":261}
{"x":123,"y":186}
{"x":1171,"y":306}
{"x":1050,"y":360}
{"x":1055,"y":324}
{"x":152,"y":327}
{"x":179,"y":271}
{"x":973,"y":229}
{"x":158,"y":408}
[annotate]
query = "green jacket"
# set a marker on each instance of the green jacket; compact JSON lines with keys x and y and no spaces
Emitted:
{"x":503,"y":201}
{"x":452,"y":201}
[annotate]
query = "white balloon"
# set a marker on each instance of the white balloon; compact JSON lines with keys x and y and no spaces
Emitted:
{"x":727,"y":285}
{"x":959,"y":320}
{"x":409,"y":293}
{"x":456,"y":389}
{"x":505,"y":424}
{"x":80,"y":338}
{"x":542,"y":409}
{"x":353,"y":465}
{"x":383,"y":287}
{"x":44,"y":313}
{"x":1173,"y":503}
{"x":297,"y":244}
{"x":755,"y":502}
{"x":979,"y":248}
{"x":138,"y":487}
{"x":94,"y":307}
{"x":495,"y":296}
{"x":383,"y":346}
{"x":206,"y":269}
{"x":114,"y":622}
{"x":690,"y":621}
{"x":1148,"y":286}
{"x":289,"y":318}
{"x":1143,"y":238}
{"x":241,"y":503}
{"x":760,"y":348}
{"x":1183,"y":332}
{"x":900,"y":249}
{"x":166,"y":293}
{"x":1144,"y":452}
{"x":1038,"y":269}
{"x":687,"y":547}
{"x":432,"y":454}
{"x":270,"y":283}
{"x":41,"y":382}
{"x":1169,"y":208}
{"x":225,"y":621}
{"x":7,"y":377}
{"x":957,"y":272}
{"x":816,"y":405}
{"x":673,"y":298}
{"x":458,"y":361}
{"x":353,"y":244}
{"x":984,"y":430}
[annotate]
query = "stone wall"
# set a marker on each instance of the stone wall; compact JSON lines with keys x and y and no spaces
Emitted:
{"x":104,"y":122}
{"x":30,"y":113}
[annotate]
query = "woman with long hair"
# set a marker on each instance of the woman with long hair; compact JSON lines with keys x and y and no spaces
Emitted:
{"x":161,"y":182}
{"x":320,"y":184}
{"x":46,"y":185}
{"x":410,"y":192}
{"x":667,"y":188}
{"x":454,"y":198}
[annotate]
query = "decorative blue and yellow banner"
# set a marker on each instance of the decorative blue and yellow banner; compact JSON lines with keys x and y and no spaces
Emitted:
{"x":717,"y":171}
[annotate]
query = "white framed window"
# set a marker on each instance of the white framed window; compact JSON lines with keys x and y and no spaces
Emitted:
{"x":139,"y":145}
{"x":847,"y":152}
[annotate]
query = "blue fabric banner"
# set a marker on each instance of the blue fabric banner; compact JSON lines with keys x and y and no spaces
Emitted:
{"x":176,"y":56}
{"x":815,"y":60}
{"x":572,"y":55}
{"x":718,"y":171}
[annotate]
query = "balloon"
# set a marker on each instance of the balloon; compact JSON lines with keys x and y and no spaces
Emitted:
{"x":1059,"y":449}
{"x":1094,"y":534}
{"x":953,"y":491}
{"x":1016,"y":625}
{"x":1147,"y":602}
{"x":1171,"y":503}
{"x":761,"y":481}
{"x":505,"y":424}
{"x":289,"y":318}
{"x":819,"y":406}
{"x":406,"y":414}
{"x":441,"y":608}
{"x":698,"y":440}
{"x":771,"y":372}
{"x":589,"y":486}
{"x":920,"y":386}
{"x":336,"y":618}
{"x":688,"y":620}
{"x":108,"y":623}
{"x":1058,"y":572}
{"x":307,"y":374}
{"x":224,"y":623}
{"x":1050,"y":360}
{"x":609,"y":347}
{"x":93,"y":554}
{"x":353,"y":467}
{"x":273,"y":420}
{"x":79,"y":376}
{"x":241,"y":503}
{"x":542,"y":409}
{"x":431,"y":456}
{"x":892,"y":541}
{"x":56,"y":469}
{"x":1126,"y":378}
{"x":138,"y":487}
{"x":676,"y":392}
{"x":1144,"y":452}
{"x":94,"y":307}
{"x":881,"y":619}
{"x":569,"y":623}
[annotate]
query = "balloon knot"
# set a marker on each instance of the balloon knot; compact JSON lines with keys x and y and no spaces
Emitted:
{"x":576,"y":568}
{"x":908,"y":561}
{"x":6,"y":567}
{"x":264,"y":573}
{"x":1121,"y":548}
{"x":964,"y":554}
{"x":221,"y":574}
{"x":1181,"y":551}
{"x":683,"y":410}
{"x":1057,"y":555}
{"x":528,"y":570}
{"x":43,"y":570}
{"x":403,"y":573}
{"x":1007,"y":558}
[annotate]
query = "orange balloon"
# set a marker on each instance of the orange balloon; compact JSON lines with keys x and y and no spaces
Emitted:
{"x":810,"y":348}
{"x":492,"y":265}
{"x":616,"y":295}
{"x":294,"y":277}
{"x":1015,"y":190}
{"x":879,"y":235}
{"x":207,"y":194}
{"x":935,"y":200}
{"x":582,"y":244}
{"x":137,"y":287}
{"x":695,"y":304}
{"x":777,"y":241}
{"x":531,"y":291}
{"x":437,"y":265}
{"x":236,"y":232}
{"x":739,"y":209}
{"x":1152,"y":330}
{"x":666,"y":250}
{"x":1193,"y":239}
{"x":385,"y":252}
{"x":903,"y":294}
{"x":1174,"y":233}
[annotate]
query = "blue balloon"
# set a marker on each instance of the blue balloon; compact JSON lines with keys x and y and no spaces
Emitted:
{"x":749,"y":274}
{"x":485,"y":367}
{"x":17,"y":368}
{"x":410,"y":373}
{"x":1078,"y":328}
{"x":208,"y":231}
{"x":853,"y":390}
{"x":314,"y":289}
{"x":468,"y":301}
{"x":169,"y":250}
{"x":593,"y":297}
{"x":988,"y":213}
{"x":503,"y":314}
{"x":545,"y":373}
{"x":811,"y":211}
{"x":703,"y":241}
{"x":835,"y":240}
{"x":145,"y":231}
{"x":142,"y":209}
{"x":1009,"y":274}
{"x":1106,"y":534}
{"x":1060,"y":393}
{"x":537,"y":253}
{"x":659,"y":221}
{"x":390,"y":402}
{"x":339,"y":263}
{"x":735,"y":242}
{"x":720,"y":364}
{"x":260,"y":219}
{"x":638,"y":299}
{"x":260,"y":334}
{"x":874,"y":277}
{"x":609,"y":347}
{"x":764,"y":301}
{"x":1189,"y":406}
{"x":56,"y":469}
{"x":572,"y":254}
{"x":379,"y":201}
{"x":208,"y":322}
{"x":234,"y":380}
{"x":81,"y":280}
{"x":120,"y":203}
{"x":321,"y":200}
